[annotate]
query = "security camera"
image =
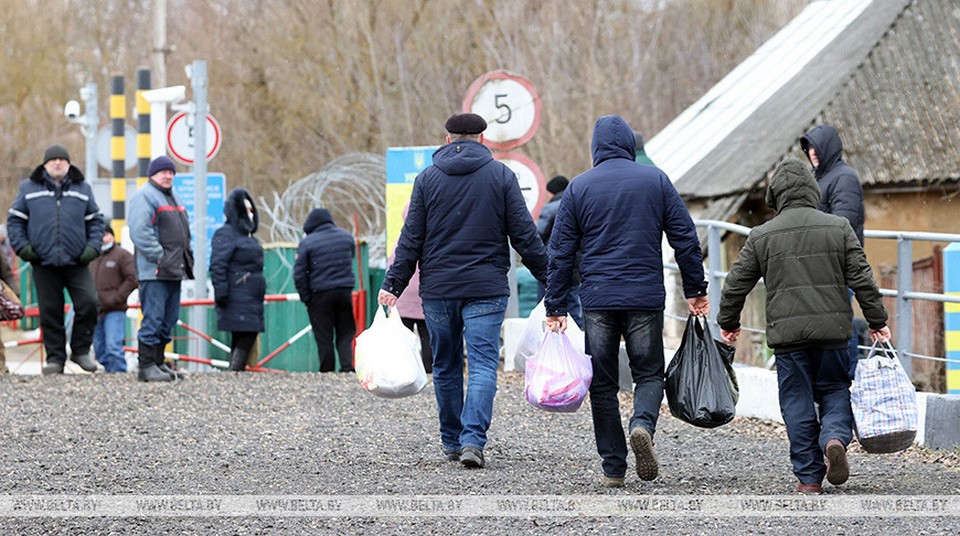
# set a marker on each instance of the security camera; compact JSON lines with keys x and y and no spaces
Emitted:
{"x":72,"y":110}
{"x":165,"y":94}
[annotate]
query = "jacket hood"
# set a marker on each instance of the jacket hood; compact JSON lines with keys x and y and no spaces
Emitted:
{"x":317,"y":217}
{"x":825,"y":140}
{"x":235,"y":212}
{"x":74,"y":175}
{"x":792,"y":186}
{"x":612,"y":138}
{"x":461,"y":157}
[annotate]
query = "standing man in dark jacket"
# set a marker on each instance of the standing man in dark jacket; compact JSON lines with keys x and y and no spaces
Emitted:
{"x":841,"y":193}
{"x":616,"y":215}
{"x":115,"y":276}
{"x":56,"y":226}
{"x":161,"y":233}
{"x":323,"y":275}
{"x":807,"y":260}
{"x":545,"y":223}
{"x":463,"y":210}
{"x":236,"y":271}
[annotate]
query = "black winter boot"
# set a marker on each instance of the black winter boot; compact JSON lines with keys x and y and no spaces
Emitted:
{"x":164,"y":367}
{"x":149,"y":372}
{"x":238,"y":359}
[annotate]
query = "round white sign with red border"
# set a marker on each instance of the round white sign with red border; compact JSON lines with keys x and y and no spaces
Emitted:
{"x":180,"y":138}
{"x":511,"y":106}
{"x":532,"y":184}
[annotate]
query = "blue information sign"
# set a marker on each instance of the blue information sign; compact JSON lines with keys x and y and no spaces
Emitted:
{"x":216,"y":188}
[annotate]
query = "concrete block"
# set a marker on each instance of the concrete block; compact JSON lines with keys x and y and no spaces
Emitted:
{"x":942,"y":422}
{"x":511,"y":334}
{"x":759,"y":396}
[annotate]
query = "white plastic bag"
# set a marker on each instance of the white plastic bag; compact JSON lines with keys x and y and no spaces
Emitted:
{"x":534,"y":332}
{"x":388,"y":359}
{"x":557,"y":377}
{"x":884,"y":402}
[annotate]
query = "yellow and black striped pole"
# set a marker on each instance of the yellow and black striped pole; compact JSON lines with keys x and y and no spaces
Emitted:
{"x":118,"y":184}
{"x":143,"y":126}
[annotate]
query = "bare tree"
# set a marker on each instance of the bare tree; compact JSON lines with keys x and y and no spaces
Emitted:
{"x":297,"y":83}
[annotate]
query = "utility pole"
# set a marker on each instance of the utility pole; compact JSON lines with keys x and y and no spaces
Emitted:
{"x":198,"y":79}
{"x":92,"y":123}
{"x":160,"y":49}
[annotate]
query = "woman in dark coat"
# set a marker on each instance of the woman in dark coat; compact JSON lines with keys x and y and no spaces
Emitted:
{"x":236,"y":270}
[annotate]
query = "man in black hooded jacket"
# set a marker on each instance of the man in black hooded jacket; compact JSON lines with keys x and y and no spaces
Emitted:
{"x":840,"y":193}
{"x":323,"y":276}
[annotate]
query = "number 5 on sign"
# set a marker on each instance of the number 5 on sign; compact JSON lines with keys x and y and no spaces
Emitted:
{"x":511,"y":106}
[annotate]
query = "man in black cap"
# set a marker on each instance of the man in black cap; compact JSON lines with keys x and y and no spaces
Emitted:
{"x":462,"y":212}
{"x":56,"y":226}
{"x":161,"y":233}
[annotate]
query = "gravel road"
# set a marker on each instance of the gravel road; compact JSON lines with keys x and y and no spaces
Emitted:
{"x":312,"y":434}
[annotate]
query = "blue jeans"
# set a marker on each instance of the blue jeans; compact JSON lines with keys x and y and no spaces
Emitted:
{"x":160,"y":304}
{"x":805,"y":378}
{"x":108,"y":341}
{"x":464,"y":421}
{"x":643,"y":332}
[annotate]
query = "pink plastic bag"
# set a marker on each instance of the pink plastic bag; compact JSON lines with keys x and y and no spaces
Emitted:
{"x":558,"y":376}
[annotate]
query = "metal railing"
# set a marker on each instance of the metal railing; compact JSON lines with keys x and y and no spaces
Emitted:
{"x":904,"y":293}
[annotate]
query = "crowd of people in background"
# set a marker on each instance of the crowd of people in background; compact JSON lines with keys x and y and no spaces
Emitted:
{"x":595,"y":252}
{"x":56,"y":227}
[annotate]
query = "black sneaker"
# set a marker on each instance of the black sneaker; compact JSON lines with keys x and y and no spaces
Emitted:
{"x":452,"y":455}
{"x":472,"y":457}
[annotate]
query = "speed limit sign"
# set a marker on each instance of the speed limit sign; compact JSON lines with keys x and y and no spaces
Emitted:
{"x":529,"y":176}
{"x":511,"y":106}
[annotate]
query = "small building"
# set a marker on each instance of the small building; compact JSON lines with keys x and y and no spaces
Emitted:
{"x":886,"y":74}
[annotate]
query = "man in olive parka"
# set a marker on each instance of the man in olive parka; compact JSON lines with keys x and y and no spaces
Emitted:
{"x":808,"y":260}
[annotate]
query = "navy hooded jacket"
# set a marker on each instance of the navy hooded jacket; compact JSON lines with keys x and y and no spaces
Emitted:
{"x":324,"y":258}
{"x":462,"y":211}
{"x":841,"y":191}
{"x":236,"y":267}
{"x":616,"y":215}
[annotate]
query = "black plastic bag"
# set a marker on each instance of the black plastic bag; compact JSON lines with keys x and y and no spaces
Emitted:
{"x":701,"y":384}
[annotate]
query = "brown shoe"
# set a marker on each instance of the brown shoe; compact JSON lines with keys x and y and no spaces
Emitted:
{"x":809,"y":489}
{"x":611,"y":481}
{"x":838,"y":469}
{"x":642,"y":444}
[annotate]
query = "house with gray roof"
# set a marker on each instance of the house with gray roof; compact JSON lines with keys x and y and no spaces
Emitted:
{"x":885,"y":73}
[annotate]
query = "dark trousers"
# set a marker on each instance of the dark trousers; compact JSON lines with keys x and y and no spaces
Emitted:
{"x":425,"y":354}
{"x":51,"y":282}
{"x":643,"y":333}
{"x":332,"y":311}
{"x":808,"y":379}
{"x":243,"y":340}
